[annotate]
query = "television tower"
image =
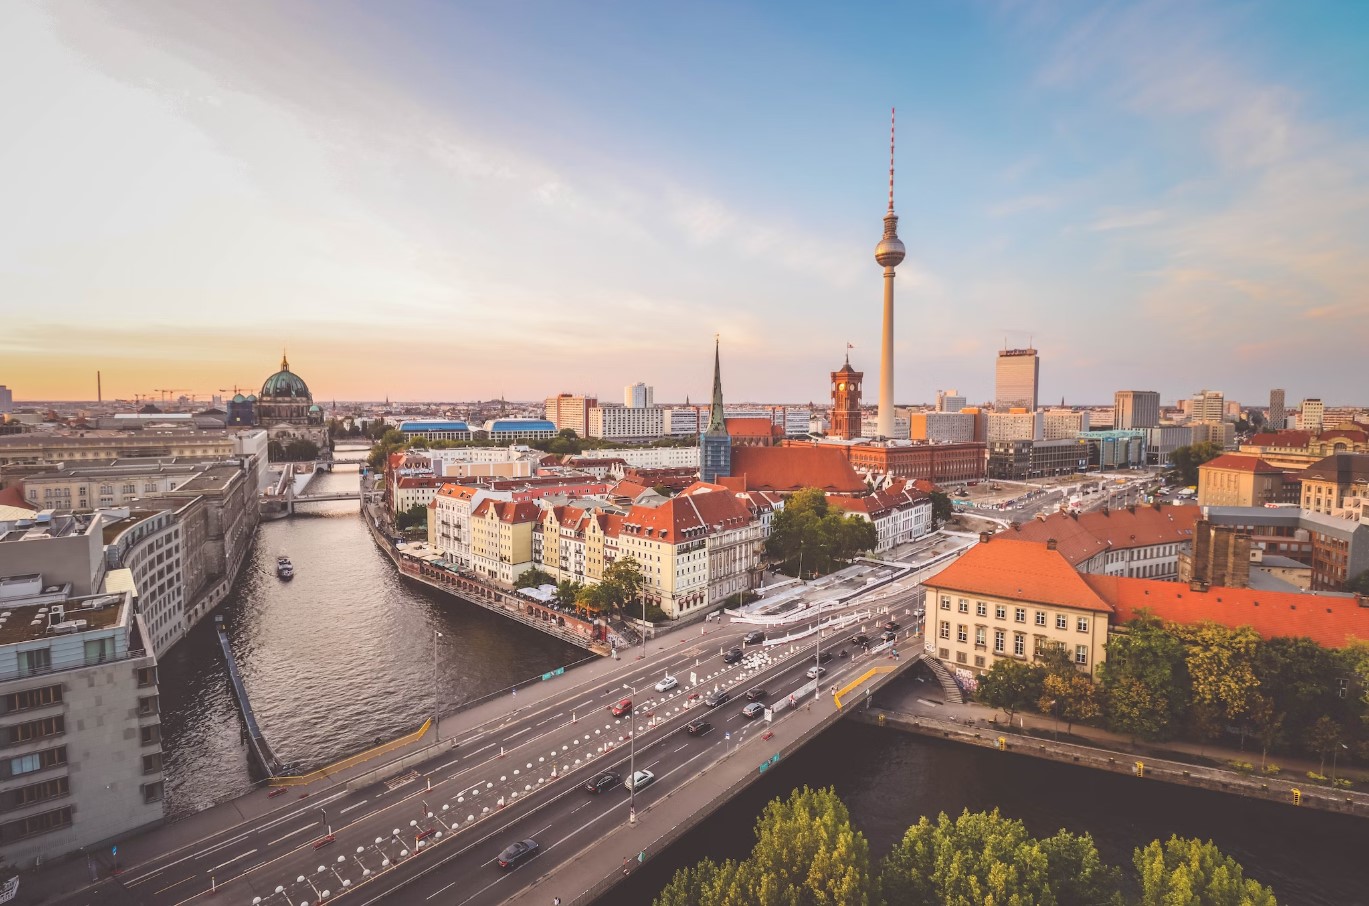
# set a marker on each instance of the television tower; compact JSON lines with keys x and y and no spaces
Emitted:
{"x":889,"y":253}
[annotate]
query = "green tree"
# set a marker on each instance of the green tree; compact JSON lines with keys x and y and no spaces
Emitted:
{"x":1266,"y":722}
{"x":593,"y":599}
{"x":1072,"y":696}
{"x":1221,"y":665}
{"x":1145,"y":680}
{"x":1188,"y":872}
{"x":1301,"y":677}
{"x":414,"y":517}
{"x":704,"y":884}
{"x":1323,"y":738}
{"x":1011,"y":685}
{"x":390,"y":441}
{"x":533,"y":578}
{"x":941,"y":507}
{"x":622,"y":584}
{"x":1078,"y":876}
{"x":567,"y":590}
{"x":1359,"y":584}
{"x":1187,"y":459}
{"x":807,"y":535}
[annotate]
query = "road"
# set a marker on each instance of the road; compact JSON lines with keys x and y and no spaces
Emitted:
{"x":435,"y":831}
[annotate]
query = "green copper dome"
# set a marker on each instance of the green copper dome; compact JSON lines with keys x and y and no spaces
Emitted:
{"x":284,"y":384}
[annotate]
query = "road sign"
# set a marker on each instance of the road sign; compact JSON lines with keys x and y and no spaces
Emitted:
{"x":114,"y":850}
{"x":727,"y":736}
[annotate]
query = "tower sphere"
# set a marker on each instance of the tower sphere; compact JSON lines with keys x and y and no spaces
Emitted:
{"x":890,"y":251}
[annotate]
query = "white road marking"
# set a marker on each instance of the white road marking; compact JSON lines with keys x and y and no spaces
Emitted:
{"x":177,"y":884}
{"x":292,"y":833}
{"x":232,"y":860}
{"x":355,"y":805}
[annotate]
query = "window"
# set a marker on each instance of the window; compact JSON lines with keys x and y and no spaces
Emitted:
{"x":152,"y":763}
{"x":961,"y":633}
{"x":981,"y":609}
{"x":1082,"y":624}
{"x":150,"y":735}
{"x":979,"y":633}
{"x":99,"y":650}
{"x":998,"y":639}
{"x":1019,"y":644}
{"x":1000,"y":612}
{"x":1019,"y":615}
{"x":1081,"y":654}
{"x":979,"y":660}
{"x":960,"y":657}
{"x":33,"y":698}
{"x":36,"y":824}
{"x":945,"y":630}
{"x":36,"y":660}
{"x":34,"y":729}
{"x":1062,"y":622}
{"x":35,"y":761}
{"x":25,"y":796}
{"x":1040,"y":618}
{"x":147,"y":706}
{"x":152,"y":792}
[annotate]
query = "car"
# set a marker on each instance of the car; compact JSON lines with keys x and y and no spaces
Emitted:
{"x":753,"y":710}
{"x":892,"y":626}
{"x":623,"y":708}
{"x":639,"y":780}
{"x":815,"y":672}
{"x":732,"y":656}
{"x":824,"y":657}
{"x":889,"y":635}
{"x":666,"y":684}
{"x":754,"y":637}
{"x":860,"y":639}
{"x":606,"y":780}
{"x":698,"y":727}
{"x":714,"y":699}
{"x":756,"y":694}
{"x":517,"y":852}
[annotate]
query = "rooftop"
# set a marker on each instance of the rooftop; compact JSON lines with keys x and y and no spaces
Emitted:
{"x":112,"y":530}
{"x":1021,"y":571}
{"x":1079,"y":537}
{"x":27,"y":623}
{"x":793,"y":468}
{"x":1239,"y":462}
{"x":213,"y":478}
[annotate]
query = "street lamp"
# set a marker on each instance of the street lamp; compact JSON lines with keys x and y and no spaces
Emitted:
{"x":437,"y":730}
{"x":328,"y":826}
{"x":1334,"y":756}
{"x":632,"y":757}
{"x":641,"y":593}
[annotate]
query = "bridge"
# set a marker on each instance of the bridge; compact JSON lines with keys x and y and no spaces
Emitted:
{"x":512,"y":766}
{"x":315,"y":498}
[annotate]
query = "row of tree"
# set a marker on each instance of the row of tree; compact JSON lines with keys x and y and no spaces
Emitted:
{"x":806,"y":536}
{"x":1200,"y":681}
{"x":618,"y":592}
{"x":807,"y":852}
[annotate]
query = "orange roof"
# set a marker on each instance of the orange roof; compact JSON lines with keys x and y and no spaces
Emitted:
{"x":794,"y":468}
{"x":509,"y":511}
{"x":1020,"y":570}
{"x":1081,"y":537}
{"x":460,"y":491}
{"x":626,"y":488}
{"x":1240,"y":462}
{"x":1330,"y":622}
{"x":13,"y":496}
{"x":750,"y":427}
{"x":1281,"y":439}
{"x":688,"y":516}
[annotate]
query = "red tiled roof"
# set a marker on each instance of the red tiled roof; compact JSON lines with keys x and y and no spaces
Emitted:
{"x":1281,"y":439}
{"x":688,"y":516}
{"x":794,"y":468}
{"x":750,"y":427}
{"x":1079,"y":538}
{"x":14,"y":496}
{"x":627,"y":488}
{"x":509,"y":511}
{"x":1022,"y":571}
{"x":878,"y":503}
{"x":1330,"y":622}
{"x":1240,"y":462}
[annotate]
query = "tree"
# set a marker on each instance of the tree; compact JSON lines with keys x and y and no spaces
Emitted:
{"x":533,"y":578}
{"x":622,"y":582}
{"x":593,"y":599}
{"x":1187,"y":459}
{"x":1011,"y":685}
{"x":1267,"y":723}
{"x":390,"y":441}
{"x":1189,"y":872}
{"x":1072,"y":696}
{"x":941,"y":507}
{"x":806,"y":535}
{"x":1221,"y":666}
{"x":567,"y":590}
{"x":1301,"y":678}
{"x":415,"y":516}
{"x":1078,"y":876}
{"x":1323,"y":738}
{"x":1145,"y":680}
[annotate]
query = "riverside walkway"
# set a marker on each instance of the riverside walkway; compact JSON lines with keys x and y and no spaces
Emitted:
{"x":266,"y":758}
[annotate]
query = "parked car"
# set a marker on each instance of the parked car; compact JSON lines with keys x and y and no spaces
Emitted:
{"x":824,"y":657}
{"x":889,"y":635}
{"x":517,"y":853}
{"x":623,"y":707}
{"x":732,"y":656}
{"x":667,"y":684}
{"x":714,"y":699}
{"x":754,"y":637}
{"x":698,"y":727}
{"x":860,"y":639}
{"x":815,"y":672}
{"x":756,"y":694}
{"x":639,"y":780}
{"x":753,"y":710}
{"x":603,"y":781}
{"x":892,"y":626}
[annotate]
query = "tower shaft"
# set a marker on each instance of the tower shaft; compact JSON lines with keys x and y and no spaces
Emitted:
{"x":886,"y":360}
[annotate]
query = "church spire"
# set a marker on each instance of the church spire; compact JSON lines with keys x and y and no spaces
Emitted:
{"x":284,"y":362}
{"x":717,"y":423}
{"x":715,"y":446}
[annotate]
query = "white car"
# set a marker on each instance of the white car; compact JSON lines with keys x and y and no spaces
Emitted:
{"x":639,"y":780}
{"x":815,"y":672}
{"x":667,"y":684}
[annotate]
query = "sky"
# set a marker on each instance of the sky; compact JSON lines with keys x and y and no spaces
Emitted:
{"x":455,"y":201}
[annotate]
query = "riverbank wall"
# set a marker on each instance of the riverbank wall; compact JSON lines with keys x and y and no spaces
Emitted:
{"x":1143,"y":768}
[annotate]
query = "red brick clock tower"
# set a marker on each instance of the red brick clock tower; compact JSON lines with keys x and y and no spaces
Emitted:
{"x":846,"y":401}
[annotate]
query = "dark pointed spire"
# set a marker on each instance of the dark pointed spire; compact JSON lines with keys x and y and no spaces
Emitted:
{"x":717,"y":423}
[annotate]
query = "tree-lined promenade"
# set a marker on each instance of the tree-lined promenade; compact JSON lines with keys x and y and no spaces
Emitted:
{"x":1202,"y":682}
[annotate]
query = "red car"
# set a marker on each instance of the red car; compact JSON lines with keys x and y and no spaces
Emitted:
{"x":624,"y":707}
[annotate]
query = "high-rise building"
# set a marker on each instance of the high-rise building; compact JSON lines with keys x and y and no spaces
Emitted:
{"x":949,"y":401}
{"x":638,"y":396}
{"x":1136,"y":409}
{"x":888,"y":254}
{"x":1277,"y":415}
{"x":1207,"y":406}
{"x":715,"y":446}
{"x":1057,"y":424}
{"x":1017,"y":379}
{"x":1312,"y":415}
{"x":6,"y":398}
{"x":570,"y":410}
{"x":846,"y":401}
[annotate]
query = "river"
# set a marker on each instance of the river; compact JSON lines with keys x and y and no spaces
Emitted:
{"x":344,"y":653}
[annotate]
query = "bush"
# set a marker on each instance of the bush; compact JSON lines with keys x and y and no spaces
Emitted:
{"x":1272,"y":768}
{"x":1315,"y":777}
{"x":1342,"y":783}
{"x":1244,"y":767}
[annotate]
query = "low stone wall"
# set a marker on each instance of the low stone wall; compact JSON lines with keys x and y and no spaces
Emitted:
{"x":1274,"y":789}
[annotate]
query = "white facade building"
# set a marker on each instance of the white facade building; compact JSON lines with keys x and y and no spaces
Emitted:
{"x":1058,"y":424}
{"x":681,"y":422}
{"x":1004,"y":426}
{"x":626,"y":423}
{"x":638,"y":396}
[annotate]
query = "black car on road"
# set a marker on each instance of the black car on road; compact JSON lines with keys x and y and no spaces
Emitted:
{"x":756,"y":694}
{"x":891,"y":626}
{"x":861,"y":639}
{"x":754,"y":637}
{"x":732,"y":656}
{"x":603,"y":781}
{"x":714,"y":699}
{"x":518,"y":852}
{"x":698,"y":727}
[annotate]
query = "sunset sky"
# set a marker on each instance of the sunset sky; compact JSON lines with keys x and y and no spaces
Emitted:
{"x":468,"y":200}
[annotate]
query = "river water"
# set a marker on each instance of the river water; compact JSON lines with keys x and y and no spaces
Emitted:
{"x":344,"y":653}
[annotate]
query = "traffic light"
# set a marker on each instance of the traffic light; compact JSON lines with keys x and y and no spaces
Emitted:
{"x":1140,"y":769}
{"x":1297,"y":797}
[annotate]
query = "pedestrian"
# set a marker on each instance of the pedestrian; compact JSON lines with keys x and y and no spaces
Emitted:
{"x":555,"y":901}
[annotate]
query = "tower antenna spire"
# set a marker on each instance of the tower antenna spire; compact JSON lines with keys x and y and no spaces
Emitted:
{"x":892,"y":111}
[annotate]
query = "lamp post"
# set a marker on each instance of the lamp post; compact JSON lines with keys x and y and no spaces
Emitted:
{"x":327,"y":826}
{"x":1334,"y":756}
{"x":437,"y":730}
{"x":632,"y":758}
{"x":641,"y":593}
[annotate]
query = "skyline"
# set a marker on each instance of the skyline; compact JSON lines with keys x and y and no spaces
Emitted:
{"x":1134,"y":190}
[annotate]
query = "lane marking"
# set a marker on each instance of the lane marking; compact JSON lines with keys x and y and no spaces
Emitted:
{"x":292,"y":833}
{"x":350,"y":807}
{"x":232,"y":860}
{"x":177,"y":883}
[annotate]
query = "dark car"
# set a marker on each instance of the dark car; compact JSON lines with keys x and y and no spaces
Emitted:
{"x":861,"y":639}
{"x":889,"y":636}
{"x":753,"y":710}
{"x":892,"y":626}
{"x":698,"y":727}
{"x":756,"y":694}
{"x":600,"y":782}
{"x":518,"y":852}
{"x":714,"y":699}
{"x":754,"y":637}
{"x":733,"y":655}
{"x":824,"y":657}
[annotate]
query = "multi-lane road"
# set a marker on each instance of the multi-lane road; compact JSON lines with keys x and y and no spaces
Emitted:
{"x":434,"y":833}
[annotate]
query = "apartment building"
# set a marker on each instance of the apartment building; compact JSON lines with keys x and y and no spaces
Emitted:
{"x":1312,"y":415}
{"x":1015,"y":424}
{"x":1135,"y":409}
{"x":1017,"y":379}
{"x":899,"y":514}
{"x":501,"y":538}
{"x":1143,"y":542}
{"x":1236,"y":479}
{"x":570,"y":410}
{"x":626,"y":423}
{"x":1063,"y":424}
{"x":1337,"y":486}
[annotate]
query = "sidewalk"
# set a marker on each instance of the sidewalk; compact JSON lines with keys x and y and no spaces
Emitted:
{"x":64,"y":877}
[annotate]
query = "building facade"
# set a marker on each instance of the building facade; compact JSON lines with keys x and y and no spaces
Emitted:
{"x":1207,"y":406}
{"x":846,"y":415}
{"x":570,"y":411}
{"x":1015,"y":424}
{"x":1235,"y":479}
{"x":1277,"y":416}
{"x":1135,"y":409}
{"x":638,"y":396}
{"x":1016,"y":379}
{"x":949,"y":401}
{"x":1337,"y":486}
{"x":1312,"y":415}
{"x":1058,"y":424}
{"x":625,"y":423}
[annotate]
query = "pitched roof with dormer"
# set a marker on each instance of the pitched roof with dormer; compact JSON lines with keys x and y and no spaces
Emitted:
{"x":792,"y":469}
{"x":1329,"y":621}
{"x":1240,"y":462}
{"x":1020,"y":571}
{"x":687,"y":517}
{"x":1079,"y":537}
{"x":1341,"y":468}
{"x":1285,"y":439}
{"x":508,"y":511}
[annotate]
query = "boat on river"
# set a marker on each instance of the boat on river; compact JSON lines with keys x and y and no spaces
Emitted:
{"x":284,"y":568}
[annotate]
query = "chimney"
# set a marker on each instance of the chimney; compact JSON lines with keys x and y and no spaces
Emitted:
{"x":1131,"y":508}
{"x":984,"y":537}
{"x":1050,"y":544}
{"x":1197,"y":585}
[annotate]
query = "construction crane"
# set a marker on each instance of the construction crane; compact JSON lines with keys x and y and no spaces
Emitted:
{"x":167,"y":391}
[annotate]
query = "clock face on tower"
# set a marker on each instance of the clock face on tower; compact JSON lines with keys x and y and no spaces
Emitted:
{"x":841,"y":386}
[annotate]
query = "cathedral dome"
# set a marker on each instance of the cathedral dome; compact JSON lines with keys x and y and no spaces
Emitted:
{"x":284,"y":384}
